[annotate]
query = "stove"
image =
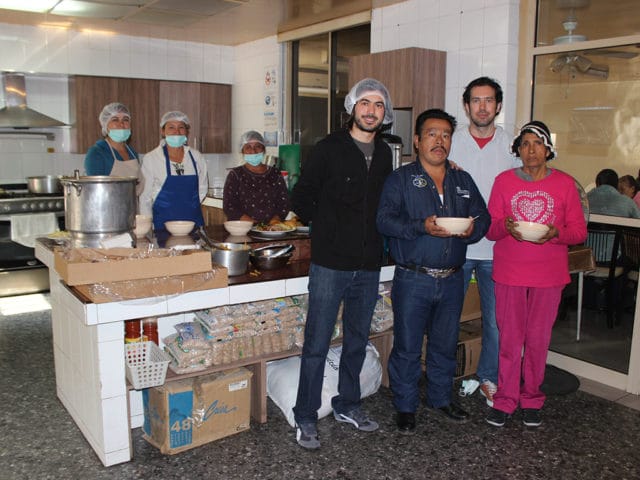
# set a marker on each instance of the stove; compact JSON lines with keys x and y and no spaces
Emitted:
{"x":20,"y":271}
{"x":25,"y":202}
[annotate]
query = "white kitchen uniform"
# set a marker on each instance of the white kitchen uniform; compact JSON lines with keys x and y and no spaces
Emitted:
{"x":155,"y":173}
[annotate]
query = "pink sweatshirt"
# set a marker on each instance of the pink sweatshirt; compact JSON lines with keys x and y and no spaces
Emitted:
{"x":552,"y":200}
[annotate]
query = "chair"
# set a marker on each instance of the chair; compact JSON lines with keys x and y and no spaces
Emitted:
{"x":605,"y":245}
{"x":631,"y":255}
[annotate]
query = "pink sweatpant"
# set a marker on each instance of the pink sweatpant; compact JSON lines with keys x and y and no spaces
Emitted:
{"x":525,"y":316}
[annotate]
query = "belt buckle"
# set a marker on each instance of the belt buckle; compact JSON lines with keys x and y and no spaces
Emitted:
{"x":439,"y":272}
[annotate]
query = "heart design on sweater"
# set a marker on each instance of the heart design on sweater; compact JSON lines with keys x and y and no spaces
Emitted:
{"x":532,"y":206}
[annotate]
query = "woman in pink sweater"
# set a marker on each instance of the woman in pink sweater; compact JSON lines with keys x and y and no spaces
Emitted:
{"x":529,"y":276}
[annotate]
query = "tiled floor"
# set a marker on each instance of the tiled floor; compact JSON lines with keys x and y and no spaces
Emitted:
{"x":610,"y":393}
{"x":586,"y":434}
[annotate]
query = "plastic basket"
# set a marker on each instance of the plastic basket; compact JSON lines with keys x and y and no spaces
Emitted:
{"x":146,"y":364}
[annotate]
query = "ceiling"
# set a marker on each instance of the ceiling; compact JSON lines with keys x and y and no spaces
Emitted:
{"x":220,"y":22}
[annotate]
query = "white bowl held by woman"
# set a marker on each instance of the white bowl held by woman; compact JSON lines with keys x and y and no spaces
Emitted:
{"x":455,"y":225}
{"x":179,"y":227}
{"x":238,"y":227}
{"x":531,"y":231}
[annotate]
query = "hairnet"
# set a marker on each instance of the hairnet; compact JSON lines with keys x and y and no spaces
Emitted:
{"x":109,"y":111}
{"x":251,"y":136}
{"x":540,"y":130}
{"x":175,"y":116}
{"x":365,"y":87}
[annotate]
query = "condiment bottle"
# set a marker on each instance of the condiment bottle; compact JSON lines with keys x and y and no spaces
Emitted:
{"x":150,"y":329}
{"x":132,"y":331}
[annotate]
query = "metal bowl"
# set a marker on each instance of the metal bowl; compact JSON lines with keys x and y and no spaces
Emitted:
{"x":262,"y":260}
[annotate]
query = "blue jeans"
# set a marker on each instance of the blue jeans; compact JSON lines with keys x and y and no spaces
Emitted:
{"x":423,"y":304}
{"x":488,"y":363}
{"x":327,"y":288}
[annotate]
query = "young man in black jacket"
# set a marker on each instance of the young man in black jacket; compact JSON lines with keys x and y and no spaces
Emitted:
{"x":338,"y":191}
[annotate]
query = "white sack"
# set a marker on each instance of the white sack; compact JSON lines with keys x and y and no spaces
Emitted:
{"x":283,"y":376}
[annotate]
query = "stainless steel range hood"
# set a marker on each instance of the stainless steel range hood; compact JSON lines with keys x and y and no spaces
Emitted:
{"x":16,"y":114}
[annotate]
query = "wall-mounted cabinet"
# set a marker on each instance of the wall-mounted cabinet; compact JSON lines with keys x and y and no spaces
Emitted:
{"x":208,"y":107}
{"x":415,"y":77}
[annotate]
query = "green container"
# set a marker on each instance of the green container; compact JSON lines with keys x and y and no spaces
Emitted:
{"x":289,"y":161}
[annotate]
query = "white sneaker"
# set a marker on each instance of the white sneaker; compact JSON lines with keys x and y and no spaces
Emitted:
{"x":488,"y":389}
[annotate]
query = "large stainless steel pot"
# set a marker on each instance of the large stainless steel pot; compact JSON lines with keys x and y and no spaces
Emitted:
{"x":44,"y":184}
{"x":98,"y":207}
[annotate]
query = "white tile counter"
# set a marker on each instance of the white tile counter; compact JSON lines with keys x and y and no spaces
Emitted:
{"x":89,"y":350}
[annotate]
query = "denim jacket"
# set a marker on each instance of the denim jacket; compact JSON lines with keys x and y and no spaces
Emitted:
{"x":410,"y":196}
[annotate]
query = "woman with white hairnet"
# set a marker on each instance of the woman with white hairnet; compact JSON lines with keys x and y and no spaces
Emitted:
{"x":175,"y":175}
{"x":112,"y":155}
{"x":254,"y":191}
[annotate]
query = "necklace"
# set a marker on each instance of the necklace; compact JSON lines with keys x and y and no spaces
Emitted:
{"x":179,"y":167}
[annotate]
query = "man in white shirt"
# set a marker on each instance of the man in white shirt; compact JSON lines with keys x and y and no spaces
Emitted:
{"x":483,"y":150}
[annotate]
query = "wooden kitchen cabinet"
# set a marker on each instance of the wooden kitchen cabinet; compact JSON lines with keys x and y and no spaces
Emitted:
{"x":415,"y":77}
{"x":213,"y":215}
{"x":208,"y":107}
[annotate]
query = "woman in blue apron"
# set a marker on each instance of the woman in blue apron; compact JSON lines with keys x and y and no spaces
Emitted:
{"x":175,"y":175}
{"x":112,"y":155}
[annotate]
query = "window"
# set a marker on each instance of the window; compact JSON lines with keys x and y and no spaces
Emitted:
{"x":319,"y":83}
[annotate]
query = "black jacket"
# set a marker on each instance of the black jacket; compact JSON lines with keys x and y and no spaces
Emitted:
{"x":340,"y":196}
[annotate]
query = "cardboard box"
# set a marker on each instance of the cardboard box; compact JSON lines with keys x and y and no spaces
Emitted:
{"x":471,"y":306}
{"x":187,"y":413}
{"x":469,"y":347}
{"x":468,"y":351}
{"x":106,"y":292}
{"x":91,"y":265}
{"x":581,"y":259}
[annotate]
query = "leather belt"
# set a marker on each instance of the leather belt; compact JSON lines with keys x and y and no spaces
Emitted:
{"x":432,"y":272}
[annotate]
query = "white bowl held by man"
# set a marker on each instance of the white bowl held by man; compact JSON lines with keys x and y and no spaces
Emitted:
{"x":455,"y":225}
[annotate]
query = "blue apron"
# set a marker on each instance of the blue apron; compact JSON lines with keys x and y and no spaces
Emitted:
{"x":179,"y":197}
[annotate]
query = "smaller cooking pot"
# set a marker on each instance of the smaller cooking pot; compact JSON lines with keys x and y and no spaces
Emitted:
{"x":44,"y":184}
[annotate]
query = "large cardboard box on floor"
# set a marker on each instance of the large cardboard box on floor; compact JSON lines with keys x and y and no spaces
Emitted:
{"x":468,"y":351}
{"x":83,"y":266}
{"x":469,"y":346}
{"x":187,"y":413}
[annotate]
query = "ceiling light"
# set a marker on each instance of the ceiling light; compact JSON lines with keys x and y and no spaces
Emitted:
{"x":79,"y":8}
{"x":30,"y":6}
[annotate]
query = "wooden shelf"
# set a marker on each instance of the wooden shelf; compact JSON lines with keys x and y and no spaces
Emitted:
{"x":383,"y":341}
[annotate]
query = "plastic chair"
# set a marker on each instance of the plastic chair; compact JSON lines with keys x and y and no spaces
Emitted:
{"x":606,"y":250}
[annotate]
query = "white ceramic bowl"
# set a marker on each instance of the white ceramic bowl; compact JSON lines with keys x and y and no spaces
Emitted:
{"x":456,"y":225}
{"x":143,"y":225}
{"x":532,"y":232}
{"x":179,"y":227}
{"x":238,"y":227}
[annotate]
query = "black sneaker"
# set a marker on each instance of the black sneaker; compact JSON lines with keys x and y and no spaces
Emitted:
{"x":531,"y":417}
{"x":307,"y":436}
{"x":497,"y":418}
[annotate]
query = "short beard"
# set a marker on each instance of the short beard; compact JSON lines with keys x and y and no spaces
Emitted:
{"x":485,"y":123}
{"x":366,"y":128}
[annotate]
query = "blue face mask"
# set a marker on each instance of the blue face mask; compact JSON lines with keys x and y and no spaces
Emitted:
{"x":176,"y":141}
{"x":119,"y":135}
{"x":254,"y":159}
